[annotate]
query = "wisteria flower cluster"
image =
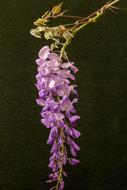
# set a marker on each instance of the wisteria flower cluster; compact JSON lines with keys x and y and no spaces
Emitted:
{"x":58,"y":112}
{"x":56,"y":91}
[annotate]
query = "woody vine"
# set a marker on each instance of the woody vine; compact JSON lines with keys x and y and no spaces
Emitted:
{"x":57,"y":93}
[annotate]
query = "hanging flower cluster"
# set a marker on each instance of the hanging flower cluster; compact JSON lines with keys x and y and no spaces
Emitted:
{"x":57,"y":94}
{"x":58,"y":112}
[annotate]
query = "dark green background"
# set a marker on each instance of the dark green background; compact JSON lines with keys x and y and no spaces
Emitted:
{"x":100,"y":52}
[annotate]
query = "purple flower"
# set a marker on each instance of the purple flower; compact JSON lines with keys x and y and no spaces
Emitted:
{"x":54,"y":91}
{"x":75,"y":133}
{"x":68,"y":130}
{"x":54,"y":148}
{"x":69,"y":64}
{"x":73,"y":151}
{"x":73,"y":161}
{"x":61,"y":187}
{"x":43,"y":53}
{"x":52,"y":135}
{"x":74,"y":118}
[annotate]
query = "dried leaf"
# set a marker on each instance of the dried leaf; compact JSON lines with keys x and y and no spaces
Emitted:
{"x":35,"y":33}
{"x":56,"y":9}
{"x":40,"y":22}
{"x":60,"y":14}
{"x":45,"y":14}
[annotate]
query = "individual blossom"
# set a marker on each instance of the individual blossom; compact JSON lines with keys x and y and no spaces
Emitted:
{"x":58,"y":112}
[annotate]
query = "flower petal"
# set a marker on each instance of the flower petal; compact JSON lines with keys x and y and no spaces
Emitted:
{"x":75,"y":133}
{"x":43,"y":53}
{"x":74,"y":118}
{"x":73,"y":161}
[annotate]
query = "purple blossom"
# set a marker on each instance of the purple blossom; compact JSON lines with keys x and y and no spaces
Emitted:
{"x":61,"y":187}
{"x":74,"y":118}
{"x":43,"y":53}
{"x":58,"y":112}
{"x":75,"y":133}
{"x":73,"y":161}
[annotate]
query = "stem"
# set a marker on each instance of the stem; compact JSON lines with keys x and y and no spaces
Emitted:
{"x":62,"y":153}
{"x":91,"y":18}
{"x":86,"y":23}
{"x":112,"y":3}
{"x":61,"y":168}
{"x":71,"y":16}
{"x":64,"y":47}
{"x":70,"y":24}
{"x":76,"y":30}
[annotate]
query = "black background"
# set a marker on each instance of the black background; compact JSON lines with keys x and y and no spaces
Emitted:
{"x":100,"y":52}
